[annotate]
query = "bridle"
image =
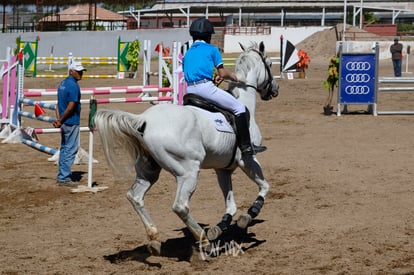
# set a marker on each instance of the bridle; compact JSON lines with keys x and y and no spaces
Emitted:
{"x":268,"y":86}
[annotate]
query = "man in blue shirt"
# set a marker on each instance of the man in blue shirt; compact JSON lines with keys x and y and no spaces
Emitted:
{"x":68,"y":120}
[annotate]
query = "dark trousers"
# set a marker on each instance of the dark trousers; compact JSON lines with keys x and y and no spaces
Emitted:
{"x":397,"y":67}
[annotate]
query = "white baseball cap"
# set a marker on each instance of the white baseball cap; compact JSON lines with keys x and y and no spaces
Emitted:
{"x":77,"y":66}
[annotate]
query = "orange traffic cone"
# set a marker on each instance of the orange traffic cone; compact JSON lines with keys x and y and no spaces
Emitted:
{"x":38,"y":110}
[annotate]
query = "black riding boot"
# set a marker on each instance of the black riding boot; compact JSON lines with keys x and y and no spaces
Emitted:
{"x":246,"y":146}
{"x":243,"y":137}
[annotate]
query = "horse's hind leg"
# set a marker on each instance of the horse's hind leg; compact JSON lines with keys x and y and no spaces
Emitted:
{"x":224,"y":180}
{"x":144,"y":180}
{"x":254,"y":171}
{"x":186,"y":185}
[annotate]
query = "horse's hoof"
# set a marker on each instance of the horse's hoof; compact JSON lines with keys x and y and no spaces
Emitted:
{"x":154,"y":248}
{"x":244,"y":220}
{"x":213,"y":233}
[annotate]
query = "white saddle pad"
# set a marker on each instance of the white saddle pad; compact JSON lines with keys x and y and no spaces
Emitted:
{"x":218,"y":120}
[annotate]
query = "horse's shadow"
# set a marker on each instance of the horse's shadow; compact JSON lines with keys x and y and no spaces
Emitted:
{"x":234,"y":242}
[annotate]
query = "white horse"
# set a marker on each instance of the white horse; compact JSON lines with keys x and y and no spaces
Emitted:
{"x":183,"y":140}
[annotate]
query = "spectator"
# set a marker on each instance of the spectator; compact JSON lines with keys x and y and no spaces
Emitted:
{"x":68,"y":120}
{"x":396,"y":56}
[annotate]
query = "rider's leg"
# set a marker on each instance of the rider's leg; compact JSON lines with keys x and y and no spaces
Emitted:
{"x":227,"y":101}
{"x":243,"y":136}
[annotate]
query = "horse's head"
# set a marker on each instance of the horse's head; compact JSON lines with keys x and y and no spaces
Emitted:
{"x":266,"y":85}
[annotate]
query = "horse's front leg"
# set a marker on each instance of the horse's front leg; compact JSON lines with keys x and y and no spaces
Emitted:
{"x":254,"y":171}
{"x":224,"y":180}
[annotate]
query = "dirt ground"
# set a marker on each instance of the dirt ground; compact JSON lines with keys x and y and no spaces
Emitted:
{"x":341,"y":198}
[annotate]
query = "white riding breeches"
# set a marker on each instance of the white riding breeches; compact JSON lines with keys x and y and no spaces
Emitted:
{"x":218,"y":96}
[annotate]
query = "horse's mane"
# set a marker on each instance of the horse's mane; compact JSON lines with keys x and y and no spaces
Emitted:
{"x":245,"y":63}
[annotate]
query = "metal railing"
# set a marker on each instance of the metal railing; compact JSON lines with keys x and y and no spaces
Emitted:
{"x":248,"y":30}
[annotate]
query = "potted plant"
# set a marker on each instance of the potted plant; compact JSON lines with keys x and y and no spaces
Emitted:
{"x":133,"y":57}
{"x":303,"y":63}
{"x":331,"y":82}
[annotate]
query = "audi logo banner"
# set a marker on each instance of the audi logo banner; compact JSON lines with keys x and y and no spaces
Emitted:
{"x":357,"y":79}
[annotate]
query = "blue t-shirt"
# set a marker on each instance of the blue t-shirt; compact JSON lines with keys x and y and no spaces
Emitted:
{"x":200,"y":60}
{"x":69,"y":91}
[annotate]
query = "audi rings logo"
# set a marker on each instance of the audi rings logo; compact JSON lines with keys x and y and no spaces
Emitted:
{"x":357,"y":90}
{"x":353,"y":78}
{"x":358,"y":66}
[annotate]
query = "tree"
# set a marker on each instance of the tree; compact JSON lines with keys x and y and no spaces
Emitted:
{"x":370,"y":18}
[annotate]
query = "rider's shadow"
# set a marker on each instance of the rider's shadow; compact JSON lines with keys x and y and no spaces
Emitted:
{"x":236,"y":240}
{"x":184,"y":248}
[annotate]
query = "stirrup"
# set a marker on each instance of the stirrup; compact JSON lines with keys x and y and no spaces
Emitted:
{"x":248,"y":151}
{"x":259,"y":148}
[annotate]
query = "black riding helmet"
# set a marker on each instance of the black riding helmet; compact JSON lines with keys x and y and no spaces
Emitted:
{"x":201,"y":29}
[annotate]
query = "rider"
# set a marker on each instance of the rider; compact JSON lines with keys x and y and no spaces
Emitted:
{"x":198,"y":66}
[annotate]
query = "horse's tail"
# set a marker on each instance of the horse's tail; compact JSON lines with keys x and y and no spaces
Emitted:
{"x":121,"y":135}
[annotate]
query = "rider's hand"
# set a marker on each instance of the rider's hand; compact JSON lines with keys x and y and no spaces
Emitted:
{"x":218,"y":79}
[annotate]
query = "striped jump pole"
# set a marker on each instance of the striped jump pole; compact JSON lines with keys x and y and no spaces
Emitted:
{"x":65,"y":62}
{"x":56,"y":130}
{"x":40,"y":147}
{"x":104,"y":90}
{"x":103,"y":60}
{"x":115,"y":100}
{"x":51,"y":106}
{"x":100,"y":76}
{"x":134,"y":99}
{"x":100,"y":91}
{"x":84,"y":76}
{"x":33,"y":116}
{"x":53,"y":62}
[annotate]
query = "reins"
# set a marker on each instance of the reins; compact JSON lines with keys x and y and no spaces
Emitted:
{"x":268,"y":85}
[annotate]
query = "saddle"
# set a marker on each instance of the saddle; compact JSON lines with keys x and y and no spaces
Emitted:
{"x":200,"y":102}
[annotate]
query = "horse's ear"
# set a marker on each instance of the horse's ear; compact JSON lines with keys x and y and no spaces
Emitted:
{"x":261,"y":47}
{"x":241,"y":46}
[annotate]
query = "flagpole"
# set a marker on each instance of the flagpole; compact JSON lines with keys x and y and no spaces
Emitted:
{"x":282,"y":59}
{"x":344,"y":24}
{"x":361,"y":15}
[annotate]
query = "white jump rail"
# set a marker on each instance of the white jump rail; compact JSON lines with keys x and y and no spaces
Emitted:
{"x":400,"y":88}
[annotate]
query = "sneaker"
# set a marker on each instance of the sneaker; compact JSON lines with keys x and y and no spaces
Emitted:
{"x":67,"y":184}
